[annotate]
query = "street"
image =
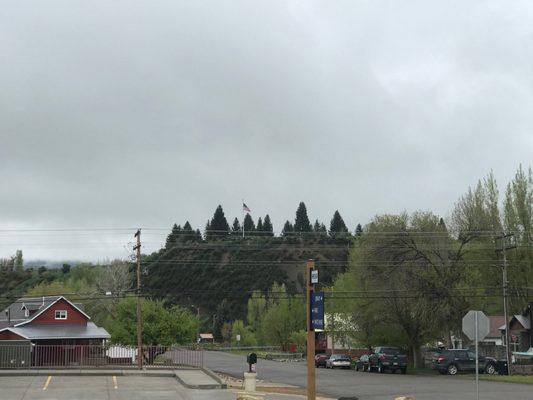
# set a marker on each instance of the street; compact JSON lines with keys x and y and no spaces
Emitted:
{"x":370,"y":386}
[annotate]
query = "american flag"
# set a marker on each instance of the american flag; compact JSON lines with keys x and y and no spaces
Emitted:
{"x":245,"y":208}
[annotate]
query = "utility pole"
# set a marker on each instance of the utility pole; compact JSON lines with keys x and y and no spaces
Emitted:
{"x":311,"y":386}
{"x":505,"y":282}
{"x":139,"y":314}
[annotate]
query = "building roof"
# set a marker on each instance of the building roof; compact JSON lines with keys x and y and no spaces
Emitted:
{"x":60,"y":331}
{"x":524,"y":321}
{"x":15,"y":314}
{"x":496,"y":321}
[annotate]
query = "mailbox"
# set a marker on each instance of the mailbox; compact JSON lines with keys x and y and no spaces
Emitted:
{"x":251,"y":359}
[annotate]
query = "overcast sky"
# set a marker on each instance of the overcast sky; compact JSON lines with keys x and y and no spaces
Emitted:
{"x":117,"y":114}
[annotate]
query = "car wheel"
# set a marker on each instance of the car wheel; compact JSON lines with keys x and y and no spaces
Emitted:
{"x":452,"y":369}
{"x":490,"y":369}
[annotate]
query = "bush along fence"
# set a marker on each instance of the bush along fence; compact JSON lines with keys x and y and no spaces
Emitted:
{"x":98,"y":356}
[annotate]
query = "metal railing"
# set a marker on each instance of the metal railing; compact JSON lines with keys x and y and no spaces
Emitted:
{"x":98,"y":356}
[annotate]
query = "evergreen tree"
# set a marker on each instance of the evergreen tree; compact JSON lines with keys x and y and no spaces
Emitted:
{"x":187,"y":233}
{"x":260,"y":227}
{"x":267,"y":226}
{"x":236,"y":228}
{"x":218,"y":226}
{"x":358,"y":230}
{"x":337,"y":227}
{"x":198,"y":236}
{"x":316,"y":226}
{"x":19,"y":262}
{"x":249,"y":225}
{"x":173,"y":236}
{"x":301,"y":223}
{"x":288,"y":228}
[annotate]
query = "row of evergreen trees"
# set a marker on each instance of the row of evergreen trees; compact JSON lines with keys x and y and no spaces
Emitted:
{"x":218,"y":228}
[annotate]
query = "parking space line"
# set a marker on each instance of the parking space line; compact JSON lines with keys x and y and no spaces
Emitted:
{"x":47,"y":382}
{"x":115,"y":382}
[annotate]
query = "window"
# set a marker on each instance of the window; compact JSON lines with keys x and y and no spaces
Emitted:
{"x":61,"y":314}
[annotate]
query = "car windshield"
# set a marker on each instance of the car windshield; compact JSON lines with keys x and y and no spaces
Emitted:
{"x":340,"y":357}
{"x":389,"y":350}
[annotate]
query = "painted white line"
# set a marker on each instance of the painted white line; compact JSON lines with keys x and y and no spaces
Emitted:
{"x":47,"y":382}
{"x":115,"y":382}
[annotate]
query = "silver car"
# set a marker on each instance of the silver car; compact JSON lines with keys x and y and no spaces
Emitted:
{"x":339,"y":361}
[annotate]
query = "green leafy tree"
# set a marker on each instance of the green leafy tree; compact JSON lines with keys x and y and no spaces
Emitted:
{"x":301,"y":222}
{"x":161,"y":326}
{"x":414,"y":255}
{"x":19,"y":262}
{"x":337,"y":227}
{"x":65,"y":269}
{"x":247,"y":337}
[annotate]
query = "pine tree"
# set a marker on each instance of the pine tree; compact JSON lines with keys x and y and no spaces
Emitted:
{"x":288,"y":228}
{"x":267,"y":226}
{"x":198,"y":236}
{"x":260,"y":228}
{"x":358,"y":230}
{"x":187,"y":233}
{"x":173,"y":237}
{"x":236,"y":228}
{"x":248,"y":224}
{"x":316,"y":226}
{"x":323,"y":228}
{"x":337,"y":227}
{"x":218,"y":226}
{"x":301,"y":223}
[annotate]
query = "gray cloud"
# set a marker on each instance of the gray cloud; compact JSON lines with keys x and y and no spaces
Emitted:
{"x":132,"y":113}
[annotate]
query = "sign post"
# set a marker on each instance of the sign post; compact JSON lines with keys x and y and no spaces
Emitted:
{"x":311,"y":386}
{"x":476,"y":327}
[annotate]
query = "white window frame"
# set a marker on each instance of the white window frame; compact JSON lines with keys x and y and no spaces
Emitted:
{"x":61,"y":314}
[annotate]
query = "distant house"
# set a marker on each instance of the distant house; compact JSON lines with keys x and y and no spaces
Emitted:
{"x":50,"y":320}
{"x":206,"y":338}
{"x":521,"y":337}
{"x":495,"y":335}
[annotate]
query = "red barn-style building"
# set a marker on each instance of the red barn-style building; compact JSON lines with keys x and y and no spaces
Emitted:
{"x":50,"y":320}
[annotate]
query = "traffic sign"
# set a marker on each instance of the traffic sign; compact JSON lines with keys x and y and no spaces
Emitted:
{"x":469,"y":325}
{"x":317,"y":311}
{"x":314,"y":276}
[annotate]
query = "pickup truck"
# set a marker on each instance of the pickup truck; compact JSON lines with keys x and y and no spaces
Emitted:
{"x":387,"y":358}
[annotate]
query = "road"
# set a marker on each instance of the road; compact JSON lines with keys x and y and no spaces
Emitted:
{"x":370,"y":386}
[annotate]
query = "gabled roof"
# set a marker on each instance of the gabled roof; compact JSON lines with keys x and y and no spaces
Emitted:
{"x":63,"y":331}
{"x":524,"y":321}
{"x":43,"y":309}
{"x":37,"y":305}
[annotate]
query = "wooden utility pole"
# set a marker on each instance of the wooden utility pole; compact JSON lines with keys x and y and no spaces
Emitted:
{"x":505,"y":282}
{"x":139,"y":314}
{"x":311,"y":386}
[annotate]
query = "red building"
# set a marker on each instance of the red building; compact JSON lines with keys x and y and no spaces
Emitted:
{"x":50,"y":320}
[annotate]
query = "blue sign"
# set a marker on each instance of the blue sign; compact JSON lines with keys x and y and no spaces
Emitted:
{"x":317,"y":311}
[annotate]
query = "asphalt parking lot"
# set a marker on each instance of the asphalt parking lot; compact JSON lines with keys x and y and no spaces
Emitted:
{"x":371,"y":386}
{"x":101,"y":388}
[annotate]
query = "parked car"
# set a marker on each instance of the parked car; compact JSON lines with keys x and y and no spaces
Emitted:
{"x":452,"y":361}
{"x":387,"y":358}
{"x":320,"y":360}
{"x":362,"y":363}
{"x":339,"y":361}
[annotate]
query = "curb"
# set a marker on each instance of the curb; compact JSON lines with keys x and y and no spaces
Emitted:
{"x":211,"y":374}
